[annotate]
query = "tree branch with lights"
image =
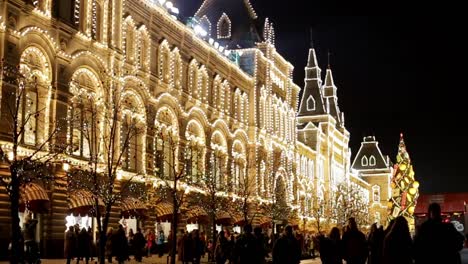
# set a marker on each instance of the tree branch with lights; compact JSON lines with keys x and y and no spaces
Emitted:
{"x":34,"y":141}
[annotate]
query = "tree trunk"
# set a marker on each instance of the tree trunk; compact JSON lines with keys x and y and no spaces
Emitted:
{"x":16,"y":243}
{"x":174,"y":232}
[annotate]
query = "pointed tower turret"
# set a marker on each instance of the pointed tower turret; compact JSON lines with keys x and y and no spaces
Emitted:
{"x":331,"y":97}
{"x":312,"y":98}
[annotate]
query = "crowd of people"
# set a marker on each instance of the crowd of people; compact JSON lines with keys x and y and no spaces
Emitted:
{"x":435,"y":242}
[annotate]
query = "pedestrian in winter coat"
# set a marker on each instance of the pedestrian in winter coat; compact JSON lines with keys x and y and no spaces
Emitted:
{"x":221,"y":251}
{"x":355,"y":244}
{"x":70,"y":244}
{"x":84,"y":245}
{"x":138,"y":245}
{"x":245,"y":246}
{"x":150,"y":240}
{"x":375,"y":242}
{"x":331,"y":247}
{"x":197,"y":247}
{"x":180,"y":245}
{"x":109,"y":238}
{"x":120,"y":245}
{"x":187,"y":256}
{"x":398,"y":244}
{"x":261,"y":251}
{"x":160,"y":243}
{"x":287,"y":249}
{"x":437,"y":242}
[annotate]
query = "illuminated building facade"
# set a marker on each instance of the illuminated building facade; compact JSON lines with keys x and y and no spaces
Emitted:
{"x":217,"y":86}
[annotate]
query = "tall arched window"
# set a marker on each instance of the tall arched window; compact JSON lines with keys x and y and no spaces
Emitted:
{"x":195,"y":151}
{"x":204,"y":83}
{"x":216,"y":92}
{"x":143,"y":49}
{"x":84,"y":115}
{"x":239,"y":162}
{"x":177,"y":69}
{"x":219,"y":159}
{"x":129,"y":38}
{"x":193,"y":79}
{"x":224,"y":27}
{"x":33,"y":92}
{"x":97,"y":20}
{"x":166,"y":143}
{"x":372,"y":161}
{"x":132,"y":134}
{"x":164,"y":61}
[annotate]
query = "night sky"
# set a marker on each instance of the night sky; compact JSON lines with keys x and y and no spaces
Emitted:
{"x":400,"y":71}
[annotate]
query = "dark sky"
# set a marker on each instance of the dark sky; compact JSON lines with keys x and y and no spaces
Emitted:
{"x":398,"y":70}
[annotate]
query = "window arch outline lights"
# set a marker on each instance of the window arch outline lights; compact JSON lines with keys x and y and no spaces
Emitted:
{"x":364,"y":161}
{"x":224,"y":27}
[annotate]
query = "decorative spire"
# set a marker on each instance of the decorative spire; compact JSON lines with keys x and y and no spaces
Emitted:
{"x":329,"y":82}
{"x":311,"y":39}
{"x":328,"y":60}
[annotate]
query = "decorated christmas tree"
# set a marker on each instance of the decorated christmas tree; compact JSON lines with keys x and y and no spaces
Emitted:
{"x":404,"y":187}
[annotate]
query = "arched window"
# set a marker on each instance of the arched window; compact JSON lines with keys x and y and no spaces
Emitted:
{"x":204,"y":83}
{"x":372,"y":161}
{"x":132,"y":134}
{"x":164,"y":61}
{"x":224,"y":27}
{"x":96,"y":20}
{"x":166,"y":143}
{"x":310,"y":103}
{"x":129,"y":40}
{"x":364,"y":161}
{"x":217,"y":90}
{"x":193,"y":79}
{"x":33,"y":90}
{"x":195,"y":151}
{"x":206,"y":24}
{"x":177,"y":69}
{"x":218,"y":159}
{"x":80,"y":15}
{"x":84,"y":114}
{"x":238,"y":155}
{"x":376,"y":193}
{"x":144,"y":50}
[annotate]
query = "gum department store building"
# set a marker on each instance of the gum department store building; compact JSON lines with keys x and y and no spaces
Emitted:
{"x":225,"y":92}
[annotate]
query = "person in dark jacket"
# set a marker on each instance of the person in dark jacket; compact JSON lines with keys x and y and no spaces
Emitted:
{"x":354,"y":244}
{"x":138,"y":245}
{"x":331,"y":247}
{"x":398,"y":244}
{"x":260,"y":245}
{"x":244,"y":247}
{"x":84,"y":245}
{"x":187,"y":256}
{"x":120,"y":245}
{"x":70,"y":244}
{"x":375,"y":242}
{"x":287,"y":249}
{"x":437,"y":242}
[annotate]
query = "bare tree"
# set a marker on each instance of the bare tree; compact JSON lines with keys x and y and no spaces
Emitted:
{"x":105,"y":132}
{"x":172,"y":171}
{"x":33,"y":144}
{"x":348,"y":201}
{"x":277,"y":208}
{"x":320,"y":211}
